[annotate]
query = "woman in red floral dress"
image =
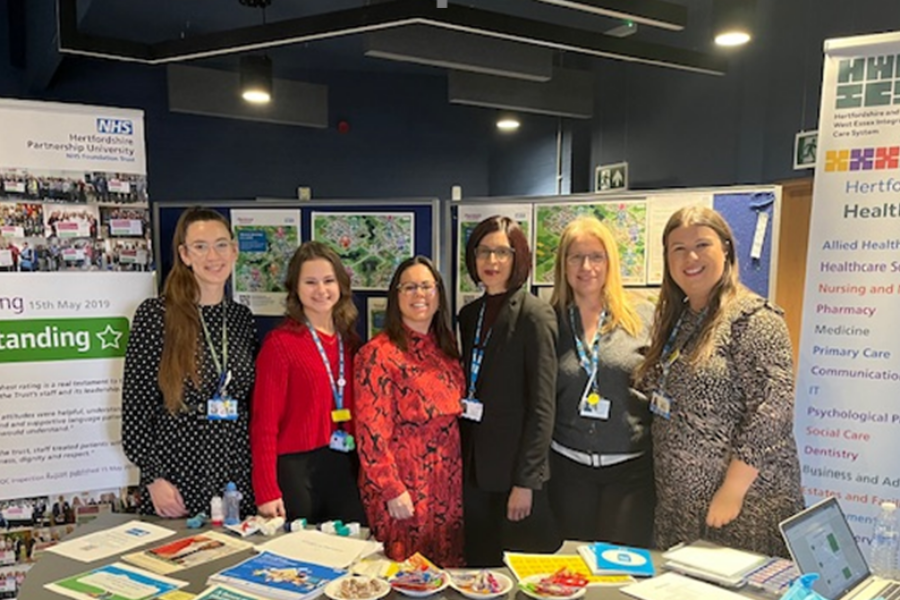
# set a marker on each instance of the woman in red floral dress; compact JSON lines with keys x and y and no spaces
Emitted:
{"x":408,"y":386}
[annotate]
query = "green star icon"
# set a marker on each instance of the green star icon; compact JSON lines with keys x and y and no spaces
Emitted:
{"x":109,"y":338}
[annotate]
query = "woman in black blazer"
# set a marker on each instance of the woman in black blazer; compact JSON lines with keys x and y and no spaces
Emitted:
{"x":509,"y":347}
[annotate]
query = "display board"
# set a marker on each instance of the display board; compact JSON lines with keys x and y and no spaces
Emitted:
{"x":636,"y":220}
{"x":371,"y":236}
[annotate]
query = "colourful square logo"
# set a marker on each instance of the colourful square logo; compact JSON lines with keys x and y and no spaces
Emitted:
{"x":837,"y":160}
{"x":887,"y":157}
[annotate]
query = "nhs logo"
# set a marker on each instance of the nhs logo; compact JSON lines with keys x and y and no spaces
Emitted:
{"x":115,"y":126}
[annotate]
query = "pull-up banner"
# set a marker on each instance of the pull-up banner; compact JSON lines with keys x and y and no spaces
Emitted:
{"x":848,"y":386}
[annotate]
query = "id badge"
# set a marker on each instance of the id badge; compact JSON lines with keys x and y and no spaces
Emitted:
{"x":473,"y":410}
{"x":661,"y":404}
{"x":221,"y":408}
{"x":594,"y":406}
{"x":342,"y":441}
{"x":340,"y":415}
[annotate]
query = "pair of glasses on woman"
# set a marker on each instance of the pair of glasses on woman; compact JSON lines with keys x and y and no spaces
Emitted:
{"x":595,"y":259}
{"x":503,"y":253}
{"x":409,"y":289}
{"x":203,"y":248}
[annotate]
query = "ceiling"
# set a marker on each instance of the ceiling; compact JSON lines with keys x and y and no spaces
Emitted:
{"x":213,"y":32}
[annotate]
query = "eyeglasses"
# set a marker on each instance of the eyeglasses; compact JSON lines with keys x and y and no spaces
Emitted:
{"x":503,"y":253}
{"x":203,"y":248}
{"x":409,"y":289}
{"x":596,"y":259}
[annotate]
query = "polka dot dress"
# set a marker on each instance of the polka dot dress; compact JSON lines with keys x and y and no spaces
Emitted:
{"x":195,"y":454}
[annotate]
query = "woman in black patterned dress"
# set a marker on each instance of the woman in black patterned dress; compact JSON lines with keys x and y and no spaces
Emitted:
{"x":720,"y":375}
{"x":188,"y":378}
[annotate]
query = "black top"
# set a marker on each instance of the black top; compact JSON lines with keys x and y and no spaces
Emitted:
{"x":195,"y":454}
{"x":628,"y":428}
{"x":517,"y":385}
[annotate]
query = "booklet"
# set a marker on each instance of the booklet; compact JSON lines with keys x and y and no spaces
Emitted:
{"x":609,"y":559}
{"x":111,"y":542}
{"x":279,"y":577}
{"x":117,"y":581}
{"x":187,"y":552}
{"x":223,"y":592}
{"x":321,"y":548}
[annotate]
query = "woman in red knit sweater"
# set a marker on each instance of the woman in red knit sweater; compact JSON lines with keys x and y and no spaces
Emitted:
{"x":304,"y":460}
{"x":408,"y":387}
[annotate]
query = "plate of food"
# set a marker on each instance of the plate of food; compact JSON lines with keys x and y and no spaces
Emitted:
{"x":481,"y":584}
{"x":419,"y":577}
{"x":357,"y":587}
{"x":563,"y":584}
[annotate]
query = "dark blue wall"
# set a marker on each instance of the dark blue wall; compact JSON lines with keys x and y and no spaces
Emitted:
{"x":685,"y":130}
{"x":674,"y":128}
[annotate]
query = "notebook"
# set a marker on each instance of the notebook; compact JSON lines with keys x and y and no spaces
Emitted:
{"x":820,"y":541}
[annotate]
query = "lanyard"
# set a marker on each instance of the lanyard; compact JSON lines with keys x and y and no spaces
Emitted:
{"x":222,"y":366}
{"x":670,"y":354}
{"x":591,"y":363}
{"x":478,"y":351}
{"x":337,"y":389}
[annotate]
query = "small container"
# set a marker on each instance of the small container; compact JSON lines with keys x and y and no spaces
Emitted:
{"x":232,"y":502}
{"x":216,"y":511}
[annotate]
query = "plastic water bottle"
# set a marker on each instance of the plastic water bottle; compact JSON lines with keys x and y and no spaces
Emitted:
{"x":885,"y":542}
{"x":232,"y":500}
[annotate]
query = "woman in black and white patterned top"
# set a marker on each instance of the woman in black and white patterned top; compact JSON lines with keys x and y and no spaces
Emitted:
{"x":720,"y":370}
{"x":189,"y":377}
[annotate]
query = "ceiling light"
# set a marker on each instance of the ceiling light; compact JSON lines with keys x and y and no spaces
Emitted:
{"x":508,"y":123}
{"x":256,"y":79}
{"x":733,"y":21}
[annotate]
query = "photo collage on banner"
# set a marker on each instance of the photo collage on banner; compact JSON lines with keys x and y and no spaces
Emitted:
{"x":72,"y":201}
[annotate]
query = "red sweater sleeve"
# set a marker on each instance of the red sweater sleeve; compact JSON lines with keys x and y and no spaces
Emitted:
{"x":269,"y":396}
{"x":376,"y":406}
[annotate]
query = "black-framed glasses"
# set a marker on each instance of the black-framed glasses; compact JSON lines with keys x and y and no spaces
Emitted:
{"x":503,"y":253}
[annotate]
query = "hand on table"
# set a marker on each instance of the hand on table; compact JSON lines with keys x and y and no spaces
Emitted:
{"x":167,"y":500}
{"x":272,"y":508}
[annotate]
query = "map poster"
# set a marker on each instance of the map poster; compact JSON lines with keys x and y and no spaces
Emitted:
{"x":469,"y":217}
{"x":371,"y":245}
{"x":627,"y":220}
{"x":62,"y":350}
{"x":266,"y":239}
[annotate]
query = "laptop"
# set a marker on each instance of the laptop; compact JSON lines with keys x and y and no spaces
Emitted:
{"x":820,"y":541}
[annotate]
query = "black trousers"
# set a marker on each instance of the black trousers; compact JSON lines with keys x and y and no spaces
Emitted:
{"x":320,"y":485}
{"x":489,"y":532}
{"x":604,"y":504}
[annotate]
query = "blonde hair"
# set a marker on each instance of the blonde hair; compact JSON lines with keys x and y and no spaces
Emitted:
{"x":672,"y":300}
{"x":619,"y":310}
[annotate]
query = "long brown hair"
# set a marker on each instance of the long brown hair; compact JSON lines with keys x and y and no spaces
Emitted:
{"x":672,"y":300}
{"x":344,"y":312}
{"x":619,"y":310}
{"x":440,"y":322}
{"x":182,"y":317}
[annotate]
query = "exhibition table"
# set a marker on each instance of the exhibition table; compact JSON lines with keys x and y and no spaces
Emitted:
{"x":52,"y":567}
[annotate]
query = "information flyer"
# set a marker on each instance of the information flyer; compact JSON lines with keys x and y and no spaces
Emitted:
{"x":266,"y":242}
{"x":62,"y":349}
{"x":847,"y":413}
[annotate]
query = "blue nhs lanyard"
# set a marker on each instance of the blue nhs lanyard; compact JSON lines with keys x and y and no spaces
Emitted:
{"x":670,"y":354}
{"x":337,"y":388}
{"x":478,"y":352}
{"x":591,"y":363}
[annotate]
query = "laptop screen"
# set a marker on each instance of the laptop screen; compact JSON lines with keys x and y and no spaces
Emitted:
{"x":820,"y":541}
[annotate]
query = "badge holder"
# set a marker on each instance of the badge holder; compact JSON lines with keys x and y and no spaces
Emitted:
{"x":661,"y":404}
{"x":222,"y":407}
{"x":473,"y":410}
{"x":593,"y":405}
{"x":342,"y":441}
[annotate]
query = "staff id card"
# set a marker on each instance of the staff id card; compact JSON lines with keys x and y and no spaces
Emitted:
{"x":221,"y":408}
{"x":661,"y":404}
{"x":473,"y":410}
{"x":342,"y":441}
{"x":593,"y":405}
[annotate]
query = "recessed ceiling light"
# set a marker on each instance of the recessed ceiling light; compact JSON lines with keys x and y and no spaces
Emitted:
{"x":508,"y":123}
